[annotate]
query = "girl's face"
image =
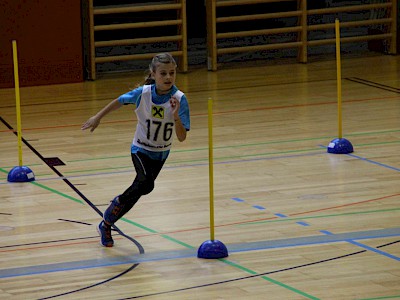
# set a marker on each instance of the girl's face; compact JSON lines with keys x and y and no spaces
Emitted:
{"x":164,"y":76}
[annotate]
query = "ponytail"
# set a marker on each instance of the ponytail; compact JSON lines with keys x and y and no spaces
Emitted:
{"x":149,"y":80}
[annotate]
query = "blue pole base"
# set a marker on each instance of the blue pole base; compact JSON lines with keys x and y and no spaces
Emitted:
{"x":340,"y":146}
{"x":20,"y":174}
{"x":212,"y":249}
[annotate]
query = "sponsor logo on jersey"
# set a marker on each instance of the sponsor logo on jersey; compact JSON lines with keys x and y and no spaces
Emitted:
{"x":157,"y":112}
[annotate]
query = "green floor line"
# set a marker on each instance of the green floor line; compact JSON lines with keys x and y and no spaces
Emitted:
{"x":57,"y":192}
{"x":6,"y":172}
{"x":256,"y":144}
{"x":218,"y":158}
{"x":201,"y":160}
{"x":139,"y":225}
{"x":10,"y":167}
{"x":328,"y":138}
{"x":177,"y":241}
{"x":268,"y":279}
{"x":376,"y":144}
{"x":205,"y":159}
{"x":97,"y":158}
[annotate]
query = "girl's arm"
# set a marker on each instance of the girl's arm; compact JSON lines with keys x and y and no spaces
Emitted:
{"x":94,"y":121}
{"x":180,"y":130}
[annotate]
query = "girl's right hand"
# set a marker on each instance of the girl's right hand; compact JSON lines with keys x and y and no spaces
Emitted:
{"x":92,"y":123}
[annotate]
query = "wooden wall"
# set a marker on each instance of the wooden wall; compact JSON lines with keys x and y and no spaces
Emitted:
{"x":49,"y":40}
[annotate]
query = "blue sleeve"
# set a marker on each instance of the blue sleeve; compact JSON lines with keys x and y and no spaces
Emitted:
{"x":184,"y":113}
{"x":131,"y":97}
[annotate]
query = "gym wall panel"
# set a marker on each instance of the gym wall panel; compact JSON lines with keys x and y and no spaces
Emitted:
{"x":49,"y":41}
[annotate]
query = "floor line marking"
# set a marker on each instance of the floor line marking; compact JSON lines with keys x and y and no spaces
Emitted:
{"x":187,"y":253}
{"x":372,"y":249}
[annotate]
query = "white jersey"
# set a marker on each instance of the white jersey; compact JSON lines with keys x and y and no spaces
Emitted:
{"x":156,"y":126}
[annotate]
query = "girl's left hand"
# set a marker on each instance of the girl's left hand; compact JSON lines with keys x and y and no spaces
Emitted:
{"x":175,"y":104}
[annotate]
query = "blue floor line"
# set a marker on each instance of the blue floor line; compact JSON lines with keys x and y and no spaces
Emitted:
{"x":192,"y":253}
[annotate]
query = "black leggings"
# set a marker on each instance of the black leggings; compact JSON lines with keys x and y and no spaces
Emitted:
{"x":147,"y":170}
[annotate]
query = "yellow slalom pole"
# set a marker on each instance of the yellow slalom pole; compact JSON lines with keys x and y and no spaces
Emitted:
{"x":18,"y":101}
{"x":339,"y":145}
{"x":211,"y":169}
{"x":211,"y":248}
{"x":339,"y":77}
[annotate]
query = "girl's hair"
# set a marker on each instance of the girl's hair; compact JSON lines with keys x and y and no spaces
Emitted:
{"x":161,"y":58}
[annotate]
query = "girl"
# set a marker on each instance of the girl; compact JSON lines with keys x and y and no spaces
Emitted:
{"x":161,"y":109}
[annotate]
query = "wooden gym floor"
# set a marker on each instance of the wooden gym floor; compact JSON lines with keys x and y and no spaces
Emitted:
{"x":298,"y":222}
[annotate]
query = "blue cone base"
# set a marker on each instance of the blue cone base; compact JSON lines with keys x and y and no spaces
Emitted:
{"x":340,"y":146}
{"x":20,"y":174}
{"x":212,"y":249}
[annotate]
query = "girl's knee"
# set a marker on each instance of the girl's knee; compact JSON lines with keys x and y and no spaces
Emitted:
{"x":146,"y":186}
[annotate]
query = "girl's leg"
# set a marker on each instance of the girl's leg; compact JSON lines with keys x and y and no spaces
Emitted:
{"x":147,"y":171}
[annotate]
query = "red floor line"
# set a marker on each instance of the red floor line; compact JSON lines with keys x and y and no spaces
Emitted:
{"x":215,"y":113}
